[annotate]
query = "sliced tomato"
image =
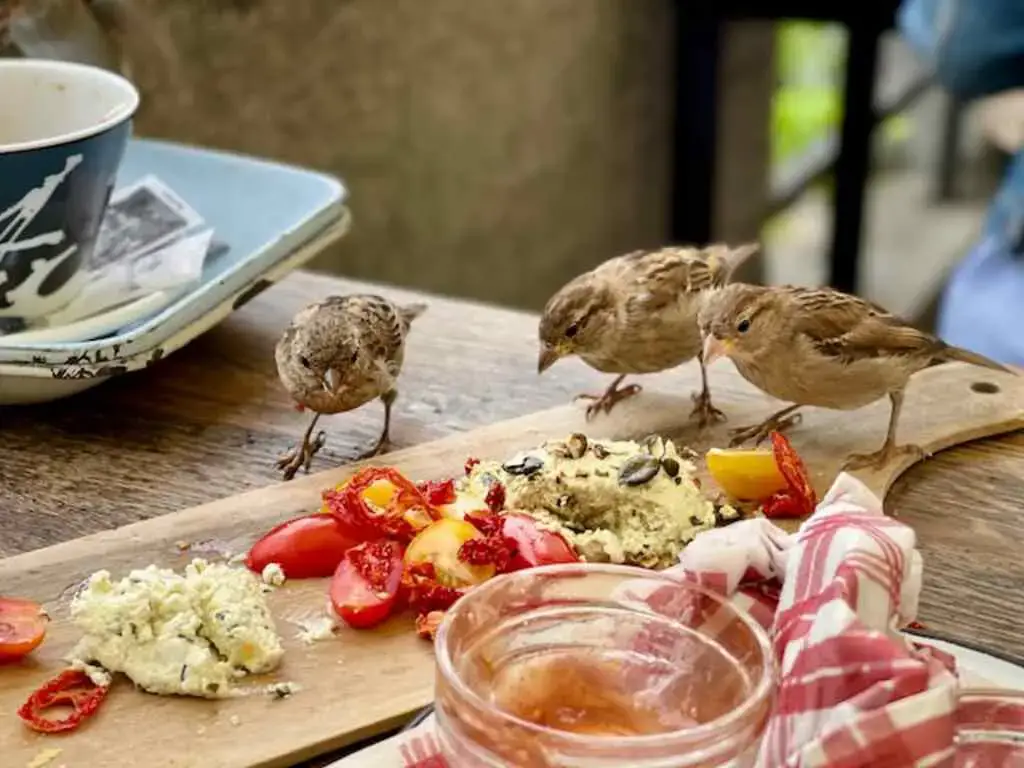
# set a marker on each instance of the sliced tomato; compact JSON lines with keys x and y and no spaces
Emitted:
{"x":364,"y":589}
{"x":380,"y":502}
{"x":439,"y":544}
{"x":535,"y":546}
{"x":305,"y":547}
{"x":22,"y":627}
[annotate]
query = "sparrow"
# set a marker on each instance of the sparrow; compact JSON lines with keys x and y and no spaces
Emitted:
{"x":637,"y":313}
{"x":820,"y":347}
{"x":338,"y":355}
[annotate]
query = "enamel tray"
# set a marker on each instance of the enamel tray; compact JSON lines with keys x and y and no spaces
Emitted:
{"x":262,"y":211}
{"x":22,"y":384}
{"x":272,"y":218}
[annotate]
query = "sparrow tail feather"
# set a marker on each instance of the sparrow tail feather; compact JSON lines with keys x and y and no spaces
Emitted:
{"x":410,"y":312}
{"x":973,"y":358}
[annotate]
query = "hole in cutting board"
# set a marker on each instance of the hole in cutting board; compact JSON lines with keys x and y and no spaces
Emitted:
{"x":985,"y":387}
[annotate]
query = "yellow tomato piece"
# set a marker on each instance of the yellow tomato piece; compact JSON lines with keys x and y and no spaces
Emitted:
{"x":380,"y":493}
{"x":439,"y":544}
{"x":747,"y":475}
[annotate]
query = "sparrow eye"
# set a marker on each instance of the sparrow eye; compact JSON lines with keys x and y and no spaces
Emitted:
{"x":304,"y":362}
{"x":743,"y":326}
{"x":572,"y":330}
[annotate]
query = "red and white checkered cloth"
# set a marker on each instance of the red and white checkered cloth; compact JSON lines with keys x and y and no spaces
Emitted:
{"x":853,"y":691}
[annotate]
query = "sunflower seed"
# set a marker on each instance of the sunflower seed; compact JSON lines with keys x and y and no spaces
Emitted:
{"x":671,"y":466}
{"x":638,"y":470}
{"x":527,"y":465}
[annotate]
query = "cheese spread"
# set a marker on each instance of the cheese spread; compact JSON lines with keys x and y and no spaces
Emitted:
{"x":191,"y":634}
{"x":616,"y":501}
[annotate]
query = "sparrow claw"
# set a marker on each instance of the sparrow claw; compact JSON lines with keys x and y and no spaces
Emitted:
{"x":703,"y":409}
{"x":883,"y":456}
{"x":605,"y":402}
{"x":301,"y":456}
{"x":758,"y":433}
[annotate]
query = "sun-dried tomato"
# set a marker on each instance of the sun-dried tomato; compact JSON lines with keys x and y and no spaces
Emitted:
{"x":470,"y":463}
{"x":784,"y":504}
{"x":494,"y":548}
{"x":427,"y":624}
{"x":487,"y":523}
{"x":71,"y":688}
{"x":800,"y":491}
{"x":438,"y":492}
{"x":495,"y":498}
{"x":490,"y":550}
{"x":423,"y":592}
{"x":373,"y":562}
{"x":349,"y":505}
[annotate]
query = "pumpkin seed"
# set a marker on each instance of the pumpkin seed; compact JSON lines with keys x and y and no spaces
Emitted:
{"x":639,"y":470}
{"x":577,"y":445}
{"x":527,"y":465}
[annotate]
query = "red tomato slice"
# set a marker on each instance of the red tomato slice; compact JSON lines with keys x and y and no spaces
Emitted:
{"x":364,"y":589}
{"x":305,"y":547}
{"x":22,"y":627}
{"x":439,"y":544}
{"x":536,"y":546}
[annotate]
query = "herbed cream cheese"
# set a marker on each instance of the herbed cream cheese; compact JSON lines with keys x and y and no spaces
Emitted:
{"x":193,"y":634}
{"x":616,"y":501}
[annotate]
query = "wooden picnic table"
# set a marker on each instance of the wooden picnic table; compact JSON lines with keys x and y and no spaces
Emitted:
{"x":210,"y":420}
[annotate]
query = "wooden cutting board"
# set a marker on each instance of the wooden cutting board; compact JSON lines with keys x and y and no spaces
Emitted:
{"x":362,"y":683}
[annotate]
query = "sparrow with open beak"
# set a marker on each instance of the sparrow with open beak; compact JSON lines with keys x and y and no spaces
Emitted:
{"x":637,"y":314}
{"x":820,"y":347}
{"x":338,"y":355}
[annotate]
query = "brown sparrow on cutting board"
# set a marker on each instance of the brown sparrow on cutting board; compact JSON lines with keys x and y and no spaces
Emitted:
{"x":820,"y":347}
{"x":635,"y":314}
{"x":337,"y":355}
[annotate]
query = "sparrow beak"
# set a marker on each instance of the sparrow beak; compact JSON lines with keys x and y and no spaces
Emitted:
{"x":548,"y":356}
{"x":715,"y":348}
{"x":332,"y":381}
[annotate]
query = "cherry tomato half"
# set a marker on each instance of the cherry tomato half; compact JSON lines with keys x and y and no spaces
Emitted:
{"x":439,"y":544}
{"x":305,"y":547}
{"x":535,"y":545}
{"x":22,"y":627}
{"x":364,"y":588}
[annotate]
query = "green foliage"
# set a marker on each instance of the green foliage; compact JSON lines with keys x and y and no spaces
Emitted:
{"x":807,"y":103}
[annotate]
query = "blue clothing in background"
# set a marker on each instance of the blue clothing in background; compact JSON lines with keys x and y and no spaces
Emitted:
{"x":976,"y":48}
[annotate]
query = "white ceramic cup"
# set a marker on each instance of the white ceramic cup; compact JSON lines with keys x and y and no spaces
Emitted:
{"x":63,"y":131}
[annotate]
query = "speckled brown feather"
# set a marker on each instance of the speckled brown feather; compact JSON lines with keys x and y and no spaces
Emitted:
{"x":362,"y":337}
{"x":817,"y":346}
{"x":637,"y":313}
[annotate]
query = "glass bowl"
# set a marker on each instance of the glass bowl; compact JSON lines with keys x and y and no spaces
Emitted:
{"x":600,"y":665}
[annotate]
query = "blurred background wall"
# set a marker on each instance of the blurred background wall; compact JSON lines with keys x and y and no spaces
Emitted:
{"x":496,"y":148}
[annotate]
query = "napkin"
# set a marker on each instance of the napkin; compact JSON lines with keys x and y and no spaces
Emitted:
{"x":853,"y":691}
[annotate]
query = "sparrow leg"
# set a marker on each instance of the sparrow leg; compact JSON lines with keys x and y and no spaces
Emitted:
{"x":302,"y":454}
{"x":777,"y":422}
{"x":705,"y":412}
{"x":383,"y":444}
{"x":605,"y":402}
{"x":889,"y":449}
